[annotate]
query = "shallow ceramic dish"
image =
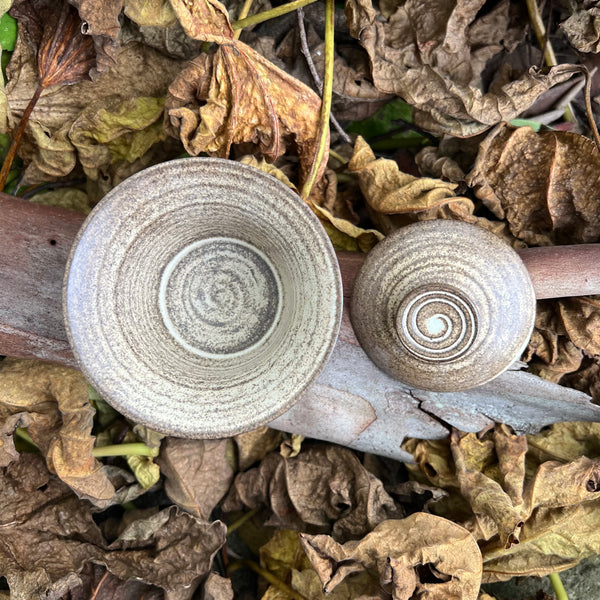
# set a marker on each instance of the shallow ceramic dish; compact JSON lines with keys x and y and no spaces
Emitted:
{"x":202,"y":297}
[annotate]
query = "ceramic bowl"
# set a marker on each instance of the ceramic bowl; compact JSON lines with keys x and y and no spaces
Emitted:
{"x":202,"y":297}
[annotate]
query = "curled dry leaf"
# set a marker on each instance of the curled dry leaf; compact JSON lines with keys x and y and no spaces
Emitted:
{"x":52,"y":402}
{"x":170,"y":549}
{"x":582,"y":27}
{"x":389,"y":190}
{"x":403,"y":556}
{"x":254,"y":445}
{"x":46,"y":533}
{"x":545,"y":184}
{"x":432,"y":56}
{"x":110,"y":127}
{"x":197,"y":474}
{"x":53,"y":30}
{"x":324,"y":486}
{"x":551,"y":509}
{"x":237,"y":96}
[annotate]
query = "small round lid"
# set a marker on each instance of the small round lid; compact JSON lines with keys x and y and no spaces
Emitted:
{"x":443,"y":305}
{"x":202,"y":297}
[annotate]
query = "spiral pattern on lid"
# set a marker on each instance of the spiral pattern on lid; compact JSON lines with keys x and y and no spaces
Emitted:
{"x":443,"y":305}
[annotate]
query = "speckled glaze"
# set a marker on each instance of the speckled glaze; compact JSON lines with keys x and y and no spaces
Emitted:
{"x":202,"y":297}
{"x":443,"y":305}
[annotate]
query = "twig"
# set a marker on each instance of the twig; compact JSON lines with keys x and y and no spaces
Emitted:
{"x":243,"y":14}
{"x":270,"y":14}
{"x":544,"y":41}
{"x":558,"y":587}
{"x":12,"y":151}
{"x":588,"y":105}
{"x":326,"y":99}
{"x":315,"y":75}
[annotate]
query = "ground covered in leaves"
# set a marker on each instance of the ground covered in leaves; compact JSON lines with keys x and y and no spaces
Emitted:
{"x":472,"y":110}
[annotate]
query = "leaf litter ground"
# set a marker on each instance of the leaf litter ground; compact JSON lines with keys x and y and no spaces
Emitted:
{"x":96,"y":90}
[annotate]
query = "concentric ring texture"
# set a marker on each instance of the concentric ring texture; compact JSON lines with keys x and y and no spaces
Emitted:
{"x":202,"y":297}
{"x":443,"y":305}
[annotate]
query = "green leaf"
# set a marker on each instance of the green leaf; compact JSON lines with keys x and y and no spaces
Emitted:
{"x":8,"y":33}
{"x":383,"y":122}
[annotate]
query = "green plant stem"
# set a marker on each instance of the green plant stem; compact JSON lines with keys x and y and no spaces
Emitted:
{"x":22,"y":433}
{"x":326,"y":99}
{"x":268,"y":576}
{"x":338,"y":157}
{"x":12,"y":151}
{"x":135,"y":449}
{"x":245,"y":517}
{"x":243,"y":14}
{"x":558,"y":587}
{"x":270,"y":14}
{"x":539,"y":28}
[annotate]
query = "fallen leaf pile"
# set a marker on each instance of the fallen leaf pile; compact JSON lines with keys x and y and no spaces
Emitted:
{"x":454,"y":112}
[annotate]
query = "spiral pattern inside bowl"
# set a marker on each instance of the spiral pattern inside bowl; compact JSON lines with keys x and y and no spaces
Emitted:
{"x":202,"y":297}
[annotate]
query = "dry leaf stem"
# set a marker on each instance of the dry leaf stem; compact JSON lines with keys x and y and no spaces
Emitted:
{"x":12,"y":151}
{"x":558,"y":587}
{"x":245,"y":517}
{"x":544,"y":41}
{"x":313,"y":71}
{"x":268,"y":576}
{"x":325,"y":100}
{"x":270,"y":14}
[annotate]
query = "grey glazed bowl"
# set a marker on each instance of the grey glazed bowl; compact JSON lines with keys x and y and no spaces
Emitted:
{"x":202,"y":297}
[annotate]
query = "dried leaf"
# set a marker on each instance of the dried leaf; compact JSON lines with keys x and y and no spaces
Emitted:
{"x":389,"y":190}
{"x":432,"y":56}
{"x":399,"y":554}
{"x":107,"y":124}
{"x":171,"y":549}
{"x":324,"y":486}
{"x":197,"y":474}
{"x":59,"y":420}
{"x":53,"y":29}
{"x":582,"y":27}
{"x":205,"y":20}
{"x":566,"y":441}
{"x":550,"y":508}
{"x":236,"y":96}
{"x":581,"y":319}
{"x":217,"y":588}
{"x":46,"y":533}
{"x":545,"y":184}
{"x":254,"y":445}
{"x":150,"y":13}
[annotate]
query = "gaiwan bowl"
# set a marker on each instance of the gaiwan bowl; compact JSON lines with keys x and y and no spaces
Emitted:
{"x":202,"y":297}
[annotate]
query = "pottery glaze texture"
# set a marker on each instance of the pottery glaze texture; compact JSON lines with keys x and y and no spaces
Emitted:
{"x":443,"y":306}
{"x":202,"y":298}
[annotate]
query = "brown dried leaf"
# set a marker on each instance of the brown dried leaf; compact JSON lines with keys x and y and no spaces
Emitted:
{"x":545,"y":184}
{"x":399,"y":554}
{"x":53,"y":29}
{"x":236,"y":96}
{"x":205,"y":20}
{"x":324,"y":486}
{"x":389,"y":190}
{"x":582,"y":27}
{"x":46,"y":533}
{"x":106,"y":123}
{"x":253,"y":446}
{"x":171,"y":549}
{"x":217,"y":588}
{"x":197,"y":474}
{"x":432,"y":56}
{"x":566,"y":442}
{"x":581,"y":319}
{"x":553,"y":504}
{"x":59,"y":419}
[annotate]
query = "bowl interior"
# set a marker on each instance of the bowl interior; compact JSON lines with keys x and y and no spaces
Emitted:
{"x":202,"y":297}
